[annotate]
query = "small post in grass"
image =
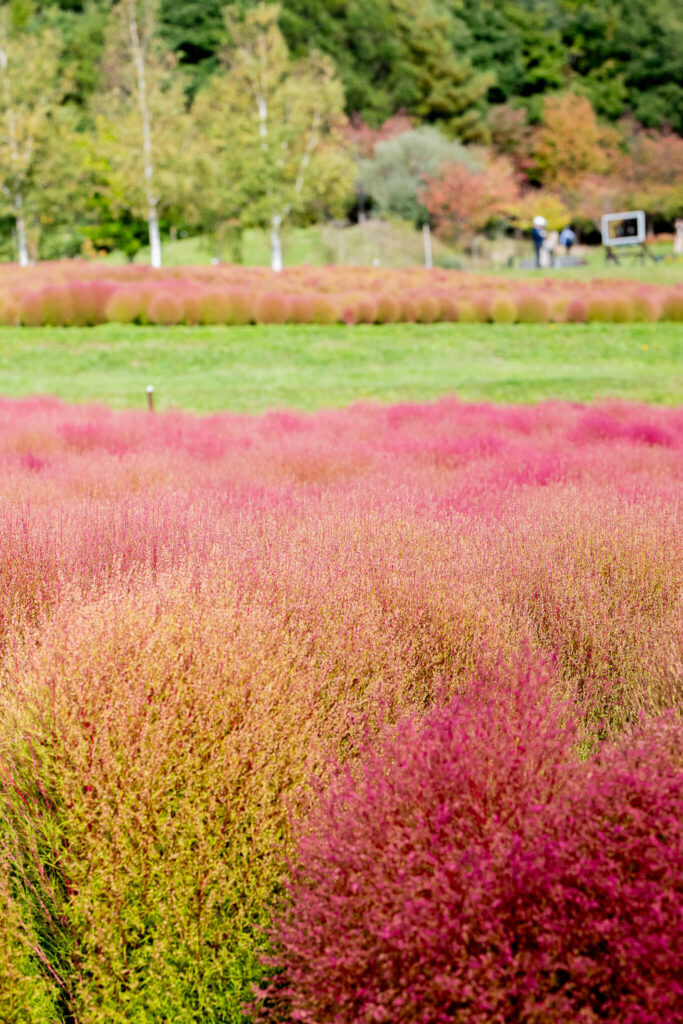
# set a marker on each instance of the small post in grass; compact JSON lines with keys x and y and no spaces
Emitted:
{"x":150,"y":397}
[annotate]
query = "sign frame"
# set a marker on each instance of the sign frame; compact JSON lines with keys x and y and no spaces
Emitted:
{"x":638,"y":239}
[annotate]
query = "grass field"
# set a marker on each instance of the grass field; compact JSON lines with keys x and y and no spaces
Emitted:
{"x":249,"y":369}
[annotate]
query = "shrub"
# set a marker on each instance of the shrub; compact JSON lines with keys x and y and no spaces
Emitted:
{"x":31,"y":310}
{"x":409,"y":309}
{"x":126,"y":304}
{"x":428,"y":308}
{"x":600,"y":307}
{"x":366,"y":309}
{"x":349,"y":310}
{"x":482,"y":307}
{"x":448,"y":308}
{"x":214,"y":306}
{"x":58,"y":310}
{"x":84,"y":303}
{"x":388,"y":308}
{"x":192,"y":305}
{"x":272,"y":308}
{"x":645,"y":307}
{"x":301,"y":307}
{"x":577,"y":311}
{"x":532,"y":308}
{"x":622,"y":309}
{"x":324,"y":311}
{"x":9,"y":311}
{"x":467,"y":312}
{"x":672,"y":306}
{"x":474,"y":873}
{"x":165,"y":308}
{"x":503,"y":310}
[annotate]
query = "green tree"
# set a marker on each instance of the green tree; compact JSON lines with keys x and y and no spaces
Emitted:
{"x":194,"y":30}
{"x":31,"y":88}
{"x":634,"y":47}
{"x":142,"y":128}
{"x":447,"y":90}
{"x":396,"y":176}
{"x":272,"y":131}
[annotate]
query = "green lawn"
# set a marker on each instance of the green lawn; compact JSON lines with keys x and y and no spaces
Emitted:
{"x":250,"y":369}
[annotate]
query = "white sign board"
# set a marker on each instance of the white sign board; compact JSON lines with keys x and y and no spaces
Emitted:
{"x":623,"y":228}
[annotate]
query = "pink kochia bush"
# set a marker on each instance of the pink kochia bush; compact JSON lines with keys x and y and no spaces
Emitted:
{"x":206,"y":621}
{"x":474,"y":872}
{"x":80,"y":294}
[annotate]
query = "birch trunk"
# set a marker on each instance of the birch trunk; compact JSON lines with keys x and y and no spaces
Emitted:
{"x":154,"y":237}
{"x":275,"y":244}
{"x":22,"y":247}
{"x":427,"y":239}
{"x":147,"y":159}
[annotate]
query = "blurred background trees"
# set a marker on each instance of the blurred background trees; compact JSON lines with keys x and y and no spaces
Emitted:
{"x":425,"y":110}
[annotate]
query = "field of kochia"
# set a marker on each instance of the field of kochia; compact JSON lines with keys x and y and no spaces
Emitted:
{"x":366,"y":715}
{"x":81,"y":294}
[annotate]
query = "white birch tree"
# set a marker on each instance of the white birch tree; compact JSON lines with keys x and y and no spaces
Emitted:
{"x":139,"y":117}
{"x":282,"y":122}
{"x":30,"y":91}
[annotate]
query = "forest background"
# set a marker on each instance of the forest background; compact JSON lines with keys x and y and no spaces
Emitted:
{"x":123,"y":124}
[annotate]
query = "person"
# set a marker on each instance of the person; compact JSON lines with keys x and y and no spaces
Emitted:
{"x":550,"y":248}
{"x":678,"y":237}
{"x":538,"y":236}
{"x":567,"y":239}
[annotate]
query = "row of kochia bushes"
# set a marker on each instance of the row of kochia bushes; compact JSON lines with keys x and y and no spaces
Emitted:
{"x":55,"y":296}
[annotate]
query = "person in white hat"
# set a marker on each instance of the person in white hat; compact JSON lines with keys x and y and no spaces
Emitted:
{"x":538,"y":236}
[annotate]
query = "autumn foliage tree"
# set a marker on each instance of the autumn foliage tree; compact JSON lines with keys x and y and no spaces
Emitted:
{"x":462,"y":200}
{"x":570,"y":142}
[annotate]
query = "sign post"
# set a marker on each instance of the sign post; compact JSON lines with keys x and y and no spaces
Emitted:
{"x":624,"y":229}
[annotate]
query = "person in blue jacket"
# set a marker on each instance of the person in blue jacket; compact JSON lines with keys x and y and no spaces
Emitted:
{"x":567,"y":239}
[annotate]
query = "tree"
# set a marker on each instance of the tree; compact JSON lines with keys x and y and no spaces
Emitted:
{"x":629,"y":54}
{"x":140,"y":120}
{"x":447,"y":89}
{"x":194,"y":30}
{"x":461,"y":199}
{"x":395,"y":177}
{"x":31,"y":88}
{"x":521,"y":41}
{"x":570,"y":143}
{"x":275,"y":130}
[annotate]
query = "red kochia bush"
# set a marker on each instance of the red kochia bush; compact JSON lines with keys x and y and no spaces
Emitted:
{"x":476,"y":873}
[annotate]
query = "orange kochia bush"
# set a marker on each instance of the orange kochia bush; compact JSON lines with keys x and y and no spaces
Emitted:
{"x":71,"y":293}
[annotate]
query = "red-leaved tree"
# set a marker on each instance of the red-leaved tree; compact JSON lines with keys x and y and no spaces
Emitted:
{"x":460,"y":200}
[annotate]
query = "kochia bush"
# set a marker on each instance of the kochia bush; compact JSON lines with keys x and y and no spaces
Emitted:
{"x":503,"y":310}
{"x":474,"y":872}
{"x":532,"y":308}
{"x":165,"y":308}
